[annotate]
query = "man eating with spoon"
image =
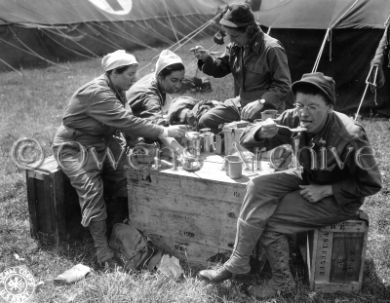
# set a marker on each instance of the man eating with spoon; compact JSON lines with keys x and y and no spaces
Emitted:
{"x":336,"y":171}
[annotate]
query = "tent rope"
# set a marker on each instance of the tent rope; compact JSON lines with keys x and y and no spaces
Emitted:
{"x":183,"y":40}
{"x":29,"y":51}
{"x":194,"y":33}
{"x":149,"y":30}
{"x":64,"y":46}
{"x":170,"y":20}
{"x":64,"y":35}
{"x":11,"y":67}
{"x":132,"y":37}
{"x":101,"y":38}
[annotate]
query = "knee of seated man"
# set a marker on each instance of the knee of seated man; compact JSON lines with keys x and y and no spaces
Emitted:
{"x":260,"y":184}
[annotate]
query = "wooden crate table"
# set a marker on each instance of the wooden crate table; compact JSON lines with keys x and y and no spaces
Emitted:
{"x":191,"y":214}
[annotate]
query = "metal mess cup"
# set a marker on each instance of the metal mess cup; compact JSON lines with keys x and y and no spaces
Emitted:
{"x":190,"y":162}
{"x":233,"y":165}
{"x":193,"y":143}
{"x":207,"y":140}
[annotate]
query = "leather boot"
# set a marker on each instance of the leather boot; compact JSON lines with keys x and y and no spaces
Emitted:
{"x":238,"y":263}
{"x":215,"y":275}
{"x":98,"y":232}
{"x":278,"y":255}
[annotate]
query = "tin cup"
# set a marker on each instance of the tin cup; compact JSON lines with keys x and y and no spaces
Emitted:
{"x":233,"y":165}
{"x":269,"y":113}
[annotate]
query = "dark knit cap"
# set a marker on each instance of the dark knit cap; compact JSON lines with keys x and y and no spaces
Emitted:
{"x":326,"y":85}
{"x":237,"y":15}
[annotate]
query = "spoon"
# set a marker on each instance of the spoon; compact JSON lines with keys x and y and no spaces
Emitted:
{"x":240,"y":155}
{"x":293,"y":130}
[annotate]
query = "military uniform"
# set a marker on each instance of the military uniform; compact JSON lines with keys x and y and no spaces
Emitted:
{"x":147,"y":99}
{"x":94,"y":115}
{"x":260,"y":71}
{"x":343,"y":159}
{"x":336,"y":171}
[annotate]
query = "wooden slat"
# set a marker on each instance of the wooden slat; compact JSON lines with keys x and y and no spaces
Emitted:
{"x":32,"y":204}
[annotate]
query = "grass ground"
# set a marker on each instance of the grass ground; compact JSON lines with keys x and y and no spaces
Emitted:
{"x":31,"y":106}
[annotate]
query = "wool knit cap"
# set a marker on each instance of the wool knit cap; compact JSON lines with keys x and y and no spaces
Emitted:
{"x":325,"y":85}
{"x":165,"y":59}
{"x":238,"y":15}
{"x":117,"y":59}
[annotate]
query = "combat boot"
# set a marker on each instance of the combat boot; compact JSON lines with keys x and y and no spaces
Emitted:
{"x":98,"y":232}
{"x":238,"y":263}
{"x":282,"y":282}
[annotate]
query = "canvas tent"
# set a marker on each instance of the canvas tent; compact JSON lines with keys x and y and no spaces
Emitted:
{"x":52,"y":30}
{"x":48,"y":31}
{"x":353,"y":29}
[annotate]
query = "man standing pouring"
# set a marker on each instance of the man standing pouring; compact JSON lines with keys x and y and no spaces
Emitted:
{"x":259,"y":67}
{"x":337,"y":171}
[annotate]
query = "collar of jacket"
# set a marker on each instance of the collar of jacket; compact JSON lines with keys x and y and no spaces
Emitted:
{"x":119,"y":94}
{"x":159,"y":90}
{"x":255,"y":43}
{"x":317,"y":139}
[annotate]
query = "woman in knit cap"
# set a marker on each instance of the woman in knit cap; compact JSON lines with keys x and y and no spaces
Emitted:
{"x":147,"y":96}
{"x":95,"y":114}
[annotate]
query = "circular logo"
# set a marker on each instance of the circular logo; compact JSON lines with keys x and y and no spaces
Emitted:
{"x":27,"y":153}
{"x":116,"y":7}
{"x":17,"y":284}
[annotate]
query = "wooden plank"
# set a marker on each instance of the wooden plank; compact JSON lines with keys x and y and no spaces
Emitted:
{"x":327,"y":287}
{"x":47,"y":230}
{"x":59,"y":208}
{"x":349,"y":226}
{"x":32,"y":204}
{"x":186,"y":227}
{"x":360,"y":282}
{"x":324,"y":255}
{"x":191,"y":187}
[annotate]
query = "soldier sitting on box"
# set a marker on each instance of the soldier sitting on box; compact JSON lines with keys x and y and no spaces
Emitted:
{"x":147,"y":96}
{"x":95,"y":114}
{"x":259,"y":67}
{"x":337,"y":171}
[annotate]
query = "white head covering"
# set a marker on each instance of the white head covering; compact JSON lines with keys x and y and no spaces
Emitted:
{"x":117,"y":59}
{"x":165,"y":59}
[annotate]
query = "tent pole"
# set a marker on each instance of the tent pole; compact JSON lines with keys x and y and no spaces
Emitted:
{"x":321,"y":51}
{"x":368,"y":83}
{"x":327,"y":34}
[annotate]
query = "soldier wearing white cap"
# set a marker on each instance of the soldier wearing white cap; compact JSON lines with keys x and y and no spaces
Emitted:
{"x":95,"y":114}
{"x":147,"y":97}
